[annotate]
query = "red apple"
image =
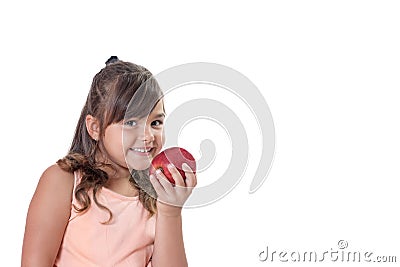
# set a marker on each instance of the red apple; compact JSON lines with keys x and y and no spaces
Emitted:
{"x":175,"y":155}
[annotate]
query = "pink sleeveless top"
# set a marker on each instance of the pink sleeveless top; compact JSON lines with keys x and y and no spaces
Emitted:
{"x":126,"y":241}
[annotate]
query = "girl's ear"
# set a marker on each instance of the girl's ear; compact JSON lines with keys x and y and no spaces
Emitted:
{"x":93,"y":127}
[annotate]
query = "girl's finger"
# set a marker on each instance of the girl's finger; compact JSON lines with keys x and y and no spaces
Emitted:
{"x":156,"y":184}
{"x":167,"y":186}
{"x":191,"y":179}
{"x":176,"y":175}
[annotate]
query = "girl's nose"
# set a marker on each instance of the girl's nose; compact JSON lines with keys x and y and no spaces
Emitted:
{"x":148,"y":134}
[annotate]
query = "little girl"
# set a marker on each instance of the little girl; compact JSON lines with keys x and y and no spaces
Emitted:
{"x":87,"y":209}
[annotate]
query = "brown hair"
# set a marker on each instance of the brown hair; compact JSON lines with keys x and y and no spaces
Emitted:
{"x":110,"y":98}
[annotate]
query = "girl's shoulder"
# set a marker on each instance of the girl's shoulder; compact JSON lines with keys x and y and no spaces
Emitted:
{"x":55,"y":172}
{"x":55,"y":169}
{"x":55,"y":179}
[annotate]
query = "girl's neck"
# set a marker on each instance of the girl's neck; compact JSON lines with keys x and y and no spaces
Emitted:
{"x":118,"y":178}
{"x":113,"y":170}
{"x":122,"y":187}
{"x":118,"y":181}
{"x":116,"y":172}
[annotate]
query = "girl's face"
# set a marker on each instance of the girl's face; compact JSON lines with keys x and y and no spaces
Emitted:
{"x":134,"y":142}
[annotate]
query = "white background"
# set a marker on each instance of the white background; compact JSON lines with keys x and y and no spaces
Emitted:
{"x":329,"y":71}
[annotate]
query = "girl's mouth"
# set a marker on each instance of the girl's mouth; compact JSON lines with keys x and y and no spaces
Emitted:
{"x":143,"y":151}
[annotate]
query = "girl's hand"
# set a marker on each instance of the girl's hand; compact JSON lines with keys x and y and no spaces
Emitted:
{"x":172,"y":197}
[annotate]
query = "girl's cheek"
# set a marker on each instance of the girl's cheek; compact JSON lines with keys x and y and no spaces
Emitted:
{"x":163,"y":138}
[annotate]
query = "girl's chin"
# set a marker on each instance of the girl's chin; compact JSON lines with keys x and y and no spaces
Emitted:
{"x":140,"y":167}
{"x":139,"y":164}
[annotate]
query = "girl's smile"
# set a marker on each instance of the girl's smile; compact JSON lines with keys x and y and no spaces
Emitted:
{"x":142,"y":151}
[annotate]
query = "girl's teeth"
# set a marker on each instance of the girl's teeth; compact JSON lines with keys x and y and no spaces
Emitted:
{"x":142,"y":150}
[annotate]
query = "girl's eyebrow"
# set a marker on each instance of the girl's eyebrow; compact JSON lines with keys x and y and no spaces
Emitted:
{"x":157,"y":116}
{"x":160,"y":115}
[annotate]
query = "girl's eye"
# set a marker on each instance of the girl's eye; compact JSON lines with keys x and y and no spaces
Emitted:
{"x":130,"y":123}
{"x":157,"y":123}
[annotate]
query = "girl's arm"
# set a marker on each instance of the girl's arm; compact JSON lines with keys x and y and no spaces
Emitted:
{"x":47,"y":218}
{"x":169,"y":250}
